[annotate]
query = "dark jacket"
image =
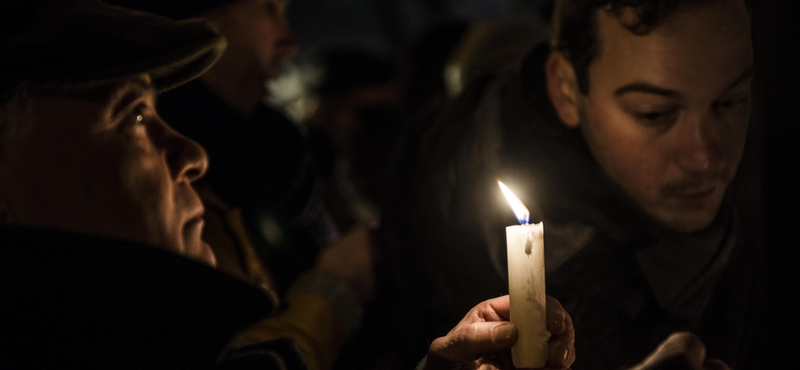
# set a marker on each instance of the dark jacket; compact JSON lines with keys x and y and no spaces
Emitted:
{"x":607,"y":261}
{"x":75,"y":301}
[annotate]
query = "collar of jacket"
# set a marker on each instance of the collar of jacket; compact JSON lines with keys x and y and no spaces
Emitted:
{"x":73,"y":300}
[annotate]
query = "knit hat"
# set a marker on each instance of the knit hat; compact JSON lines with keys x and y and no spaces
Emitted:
{"x":71,"y":41}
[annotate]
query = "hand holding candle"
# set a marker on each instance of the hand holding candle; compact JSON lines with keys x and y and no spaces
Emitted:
{"x":526,"y":286}
{"x":483,"y":338}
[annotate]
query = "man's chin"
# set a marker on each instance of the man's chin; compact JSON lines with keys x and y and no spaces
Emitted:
{"x":208,"y":255}
{"x":691,"y":213}
{"x":688,"y":221}
{"x":202,"y":252}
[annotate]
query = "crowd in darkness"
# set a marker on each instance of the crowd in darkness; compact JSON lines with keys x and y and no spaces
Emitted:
{"x":185,"y":185}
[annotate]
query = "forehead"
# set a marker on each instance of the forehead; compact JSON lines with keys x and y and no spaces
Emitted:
{"x":71,"y":107}
{"x":101,"y":93}
{"x":706,"y":45}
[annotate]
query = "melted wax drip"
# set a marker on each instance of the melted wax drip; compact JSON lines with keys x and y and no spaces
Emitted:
{"x":529,"y":244}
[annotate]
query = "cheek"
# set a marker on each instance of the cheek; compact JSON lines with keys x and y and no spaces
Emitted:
{"x":101,"y":196}
{"x":628,"y":152}
{"x":262,"y":39}
{"x":146,"y":179}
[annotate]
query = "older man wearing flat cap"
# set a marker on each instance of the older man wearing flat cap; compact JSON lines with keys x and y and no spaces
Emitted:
{"x":89,"y":176}
{"x":261,"y":163}
{"x":265,"y":201}
{"x":103,"y":261}
{"x":265,"y":216}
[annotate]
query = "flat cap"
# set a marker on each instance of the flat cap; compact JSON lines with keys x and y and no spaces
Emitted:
{"x":71,"y":41}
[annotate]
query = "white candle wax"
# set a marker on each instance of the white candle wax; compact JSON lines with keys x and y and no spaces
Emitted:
{"x":525,"y":245}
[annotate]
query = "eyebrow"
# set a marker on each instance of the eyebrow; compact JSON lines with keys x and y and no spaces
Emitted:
{"x":644,"y":87}
{"x":750,"y":71}
{"x":128,"y":93}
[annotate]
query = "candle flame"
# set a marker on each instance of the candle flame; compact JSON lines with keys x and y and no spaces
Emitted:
{"x":523,"y":216}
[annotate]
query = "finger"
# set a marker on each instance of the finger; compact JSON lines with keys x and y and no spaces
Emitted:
{"x":561,"y":348}
{"x":499,"y":362}
{"x":490,"y":310}
{"x":558,"y":355}
{"x":685,"y":345}
{"x":556,"y":316}
{"x":497,"y":309}
{"x":470,"y":342}
{"x":682,"y":350}
{"x":569,"y":338}
{"x":561,"y":354}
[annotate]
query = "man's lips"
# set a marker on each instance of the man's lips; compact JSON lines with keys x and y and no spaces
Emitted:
{"x":195,"y":247}
{"x":193,"y":232}
{"x":199,"y":212}
{"x":194,"y":225}
{"x":699,"y":194}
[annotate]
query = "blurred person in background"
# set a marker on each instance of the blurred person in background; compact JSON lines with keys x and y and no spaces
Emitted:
{"x":353,"y":128}
{"x":422,"y":63}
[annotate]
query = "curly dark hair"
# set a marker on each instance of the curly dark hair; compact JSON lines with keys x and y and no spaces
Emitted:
{"x":575,"y":26}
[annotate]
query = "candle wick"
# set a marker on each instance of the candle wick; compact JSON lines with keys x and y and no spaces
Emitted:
{"x":529,"y":244}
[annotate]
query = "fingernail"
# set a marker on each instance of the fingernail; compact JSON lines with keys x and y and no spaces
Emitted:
{"x":558,"y":356}
{"x":502,"y":332}
{"x":563,"y":353}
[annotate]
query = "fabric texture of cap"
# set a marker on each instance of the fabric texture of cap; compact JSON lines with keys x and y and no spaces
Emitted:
{"x":72,"y":41}
{"x":175,"y":9}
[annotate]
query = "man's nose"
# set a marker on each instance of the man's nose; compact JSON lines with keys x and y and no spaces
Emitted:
{"x":701,"y":147}
{"x":187,"y":160}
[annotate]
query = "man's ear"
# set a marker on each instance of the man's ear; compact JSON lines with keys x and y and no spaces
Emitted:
{"x":562,"y":87}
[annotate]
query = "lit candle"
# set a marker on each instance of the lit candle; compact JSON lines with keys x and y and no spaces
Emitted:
{"x":525,"y":248}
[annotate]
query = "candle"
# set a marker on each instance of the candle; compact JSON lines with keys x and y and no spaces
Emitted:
{"x":525,"y":247}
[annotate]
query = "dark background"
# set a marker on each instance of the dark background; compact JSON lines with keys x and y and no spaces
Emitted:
{"x":777,"y":94}
{"x":387,"y":24}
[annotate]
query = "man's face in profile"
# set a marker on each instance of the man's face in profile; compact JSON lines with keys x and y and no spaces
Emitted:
{"x":666,"y":114}
{"x":101,"y":161}
{"x":258,"y":34}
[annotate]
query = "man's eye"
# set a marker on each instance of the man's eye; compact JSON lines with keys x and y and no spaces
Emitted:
{"x":733,"y":102}
{"x":137,"y":114}
{"x":656,"y":117}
